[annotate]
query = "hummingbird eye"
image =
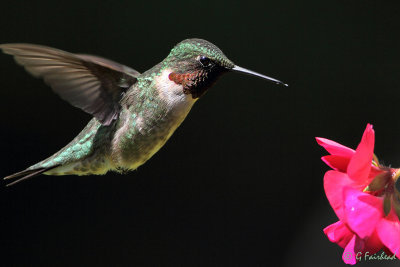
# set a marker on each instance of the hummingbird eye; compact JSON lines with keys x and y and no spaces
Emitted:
{"x":205,"y":61}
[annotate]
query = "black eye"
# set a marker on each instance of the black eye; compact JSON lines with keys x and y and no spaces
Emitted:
{"x":205,"y":61}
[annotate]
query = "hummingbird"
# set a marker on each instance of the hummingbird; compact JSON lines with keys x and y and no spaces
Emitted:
{"x":134,"y":113}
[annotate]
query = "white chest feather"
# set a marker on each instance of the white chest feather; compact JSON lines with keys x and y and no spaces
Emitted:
{"x":171,"y":92}
{"x":150,"y":132}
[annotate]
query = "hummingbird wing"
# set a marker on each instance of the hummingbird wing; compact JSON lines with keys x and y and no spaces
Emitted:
{"x":91,"y":83}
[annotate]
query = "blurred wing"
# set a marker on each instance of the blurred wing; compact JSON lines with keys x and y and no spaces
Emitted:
{"x":91,"y":83}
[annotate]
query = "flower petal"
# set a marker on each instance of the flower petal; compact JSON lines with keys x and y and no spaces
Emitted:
{"x":335,"y":148}
{"x":338,"y":233}
{"x":389,"y":232}
{"x":338,"y":163}
{"x":334,"y":182}
{"x":362,"y":211}
{"x":373,"y":244}
{"x":360,"y":164}
{"x":354,"y":247}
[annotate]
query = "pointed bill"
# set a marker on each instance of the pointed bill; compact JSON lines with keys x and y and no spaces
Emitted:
{"x":250,"y":72}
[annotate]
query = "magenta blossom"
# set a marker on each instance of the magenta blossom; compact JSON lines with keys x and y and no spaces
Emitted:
{"x":364,"y":197}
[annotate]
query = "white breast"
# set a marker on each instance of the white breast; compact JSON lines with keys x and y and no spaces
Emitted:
{"x":172,"y":92}
{"x":178,"y":105}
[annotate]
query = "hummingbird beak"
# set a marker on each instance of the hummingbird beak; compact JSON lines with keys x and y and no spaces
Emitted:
{"x":253,"y":73}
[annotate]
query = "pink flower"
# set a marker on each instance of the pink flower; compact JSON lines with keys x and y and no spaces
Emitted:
{"x":364,"y":197}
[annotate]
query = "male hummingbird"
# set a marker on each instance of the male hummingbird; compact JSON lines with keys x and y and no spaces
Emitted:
{"x":134,"y":113}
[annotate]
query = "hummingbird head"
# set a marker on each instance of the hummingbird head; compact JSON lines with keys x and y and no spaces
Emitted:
{"x":197,"y":64}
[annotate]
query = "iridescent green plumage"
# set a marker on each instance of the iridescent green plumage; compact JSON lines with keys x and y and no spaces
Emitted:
{"x":193,"y":47}
{"x":134,"y":114}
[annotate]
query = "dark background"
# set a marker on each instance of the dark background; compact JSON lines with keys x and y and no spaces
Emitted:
{"x":240,"y":182}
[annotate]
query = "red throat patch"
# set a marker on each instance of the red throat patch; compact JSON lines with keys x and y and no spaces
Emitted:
{"x":194,"y":82}
{"x":182,"y":78}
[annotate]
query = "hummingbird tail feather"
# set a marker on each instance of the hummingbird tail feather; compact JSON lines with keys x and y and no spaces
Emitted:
{"x":26,"y":174}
